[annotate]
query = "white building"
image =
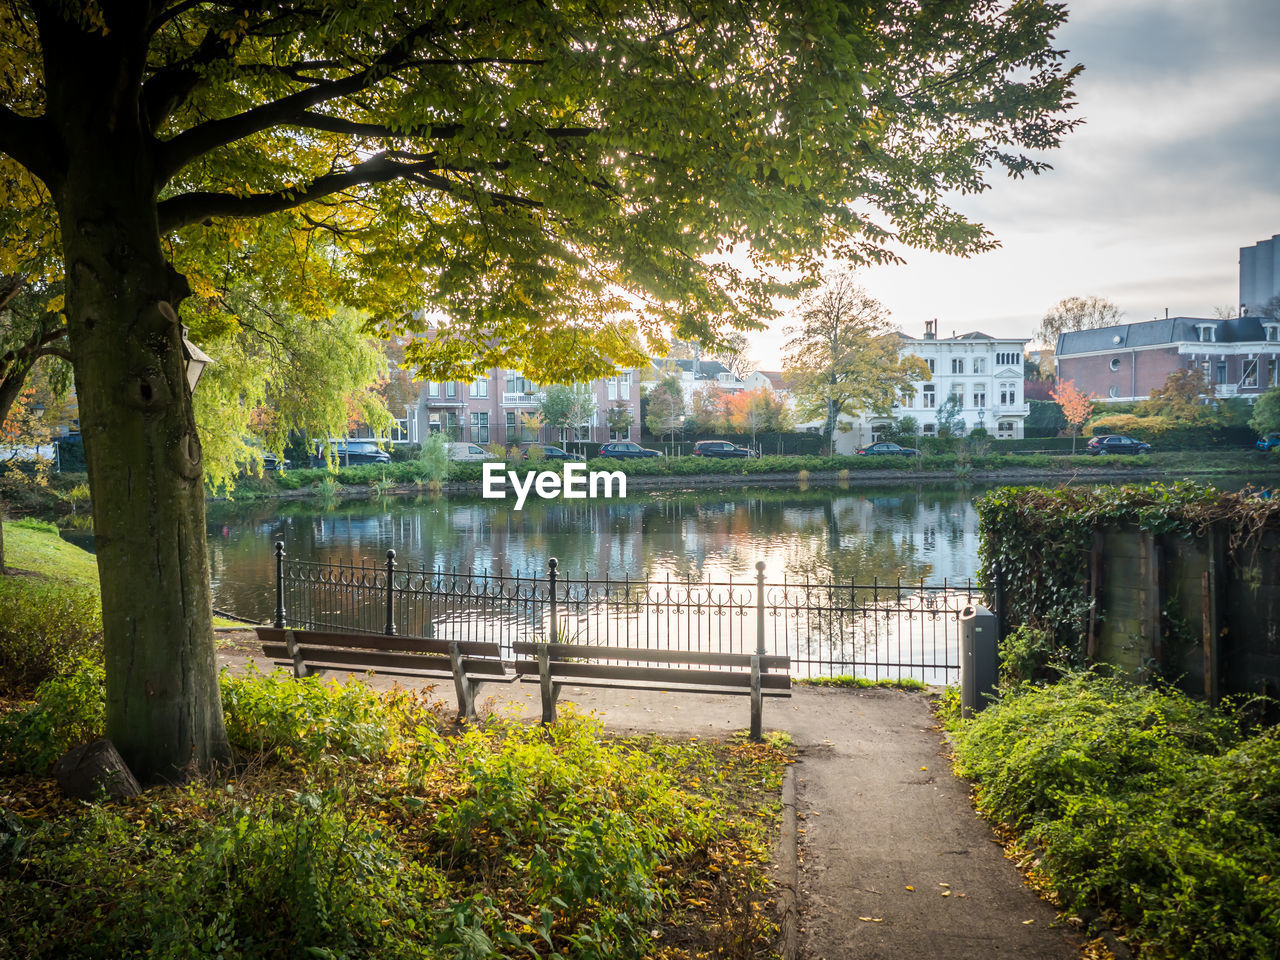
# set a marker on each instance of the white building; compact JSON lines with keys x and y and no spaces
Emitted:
{"x":984,"y":372}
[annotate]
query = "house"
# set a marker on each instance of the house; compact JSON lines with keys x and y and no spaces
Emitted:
{"x":771,"y":380}
{"x":985,"y":373}
{"x":694,"y":374}
{"x":1239,"y":355}
{"x":488,"y":409}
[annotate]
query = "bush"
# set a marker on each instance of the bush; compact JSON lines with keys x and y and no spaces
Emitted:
{"x":68,"y":711}
{"x":45,"y":627}
{"x":1140,"y":801}
{"x":306,"y":720}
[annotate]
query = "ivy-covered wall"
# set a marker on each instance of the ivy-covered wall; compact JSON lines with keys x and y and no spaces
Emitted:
{"x":1181,"y":581}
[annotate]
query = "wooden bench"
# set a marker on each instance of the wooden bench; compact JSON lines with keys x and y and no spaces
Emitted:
{"x":468,"y":663}
{"x":551,"y":665}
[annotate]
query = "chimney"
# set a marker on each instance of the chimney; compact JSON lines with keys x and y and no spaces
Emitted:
{"x":931,"y":329}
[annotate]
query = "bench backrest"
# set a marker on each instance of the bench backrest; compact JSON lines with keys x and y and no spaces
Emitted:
{"x":709,"y":658}
{"x":381,"y":642}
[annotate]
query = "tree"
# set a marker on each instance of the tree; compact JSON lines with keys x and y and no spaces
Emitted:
{"x":707,"y":410}
{"x":1076,"y":407}
{"x":531,"y":424}
{"x":568,"y":407}
{"x":665,"y":415}
{"x":1075,"y":313}
{"x":1185,"y":395}
{"x":751,"y":411}
{"x":619,"y":418}
{"x":950,"y":423}
{"x":1266,"y":413}
{"x":555,"y":179}
{"x":844,"y":357}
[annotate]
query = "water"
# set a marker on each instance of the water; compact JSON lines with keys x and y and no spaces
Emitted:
{"x":907,"y":532}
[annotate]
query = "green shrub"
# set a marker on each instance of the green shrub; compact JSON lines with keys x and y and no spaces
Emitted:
{"x":1143,"y":802}
{"x":45,"y":627}
{"x":306,"y":719}
{"x":68,"y":711}
{"x":1025,"y":656}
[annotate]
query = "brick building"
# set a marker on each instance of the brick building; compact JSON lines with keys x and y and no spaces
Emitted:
{"x":1240,"y":356}
{"x":488,"y":409}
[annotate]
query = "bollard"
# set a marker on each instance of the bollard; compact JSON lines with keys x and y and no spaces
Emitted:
{"x":979,"y":659}
{"x":279,"y":621}
{"x":390,"y":627}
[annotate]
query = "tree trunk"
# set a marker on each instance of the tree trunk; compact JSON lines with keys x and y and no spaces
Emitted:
{"x":164,"y":710}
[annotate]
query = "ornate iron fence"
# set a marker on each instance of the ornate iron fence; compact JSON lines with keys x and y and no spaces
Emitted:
{"x":878,"y":630}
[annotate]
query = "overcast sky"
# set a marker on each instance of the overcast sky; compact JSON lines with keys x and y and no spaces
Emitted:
{"x":1176,"y":168}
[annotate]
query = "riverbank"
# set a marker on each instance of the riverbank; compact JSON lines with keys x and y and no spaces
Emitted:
{"x":693,"y":473}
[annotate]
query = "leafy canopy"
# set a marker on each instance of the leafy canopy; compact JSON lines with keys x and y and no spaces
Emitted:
{"x":557,"y":185}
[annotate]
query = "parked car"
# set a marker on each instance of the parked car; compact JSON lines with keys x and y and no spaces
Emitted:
{"x":626,"y":450}
{"x":549,"y":451}
{"x":272,"y":463}
{"x":469,"y":452}
{"x":886,"y":449}
{"x":721,"y":448}
{"x":1116,"y":444}
{"x":351,"y":452}
{"x":1269,"y":441}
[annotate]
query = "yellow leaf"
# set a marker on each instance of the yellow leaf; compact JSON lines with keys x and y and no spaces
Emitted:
{"x":911,"y":888}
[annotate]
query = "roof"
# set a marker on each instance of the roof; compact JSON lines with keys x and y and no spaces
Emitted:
{"x":707,"y":369}
{"x":775,"y":378}
{"x":1171,"y":330}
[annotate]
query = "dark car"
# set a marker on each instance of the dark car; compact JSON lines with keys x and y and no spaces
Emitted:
{"x":1269,"y":441}
{"x":549,"y":451}
{"x":721,"y":448}
{"x":886,"y":449}
{"x":626,"y":450}
{"x":1116,"y":444}
{"x":271,"y":463}
{"x":351,"y":452}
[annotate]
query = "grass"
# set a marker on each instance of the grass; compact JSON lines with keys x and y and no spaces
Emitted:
{"x":35,"y":547}
{"x":864,"y":683}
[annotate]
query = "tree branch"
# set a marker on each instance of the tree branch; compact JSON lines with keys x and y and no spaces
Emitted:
{"x":30,"y":141}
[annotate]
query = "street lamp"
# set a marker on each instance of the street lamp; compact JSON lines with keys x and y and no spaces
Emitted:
{"x":196,"y":360}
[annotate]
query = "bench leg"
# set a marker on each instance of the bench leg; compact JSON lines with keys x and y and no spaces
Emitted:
{"x":757,"y":702}
{"x":463,"y":687}
{"x":549,"y":690}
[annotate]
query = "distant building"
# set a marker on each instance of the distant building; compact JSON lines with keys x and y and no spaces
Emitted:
{"x":984,"y":372}
{"x":1259,"y":275}
{"x":1239,"y":355}
{"x":488,"y":409}
{"x":694,"y":375}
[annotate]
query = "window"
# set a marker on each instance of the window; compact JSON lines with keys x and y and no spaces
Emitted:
{"x":1005,"y":428}
{"x":928,"y":430}
{"x":480,"y":388}
{"x":929,"y":395}
{"x":908,"y":399}
{"x":1271,"y":331}
{"x":1113,"y":392}
{"x":519,"y":384}
{"x":513,"y":431}
{"x":1222,"y":372}
{"x":624,"y":386}
{"x":1115,"y":363}
{"x":433,"y":389}
{"x":932,"y":365}
{"x":958,"y":390}
{"x":620,"y":434}
{"x":979,"y":364}
{"x":1207,"y":332}
{"x":957,"y":365}
{"x":1008,"y":359}
{"x":480,"y":427}
{"x":613,"y":388}
{"x":1250,"y":378}
{"x":451,"y":389}
{"x":449,"y":426}
{"x":1008,"y":394}
{"x":980,"y":395}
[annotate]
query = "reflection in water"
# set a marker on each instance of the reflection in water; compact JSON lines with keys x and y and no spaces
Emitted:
{"x":918,"y":532}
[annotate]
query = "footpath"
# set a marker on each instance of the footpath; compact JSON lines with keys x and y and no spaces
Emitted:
{"x":893,"y":861}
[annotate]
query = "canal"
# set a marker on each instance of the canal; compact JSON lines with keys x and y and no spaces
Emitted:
{"x":909,"y":532}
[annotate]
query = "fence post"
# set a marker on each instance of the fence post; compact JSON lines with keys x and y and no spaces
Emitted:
{"x":390,"y":629}
{"x":279,"y":584}
{"x":757,"y":662}
{"x":551,"y":590}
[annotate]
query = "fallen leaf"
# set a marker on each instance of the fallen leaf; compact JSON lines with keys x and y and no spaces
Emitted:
{"x":872,"y":919}
{"x":911,"y":888}
{"x":1027,"y":922}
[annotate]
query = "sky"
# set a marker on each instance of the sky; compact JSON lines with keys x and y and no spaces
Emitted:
{"x":1176,"y":167}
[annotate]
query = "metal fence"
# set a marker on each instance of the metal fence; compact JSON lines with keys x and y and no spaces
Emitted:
{"x":878,"y":630}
